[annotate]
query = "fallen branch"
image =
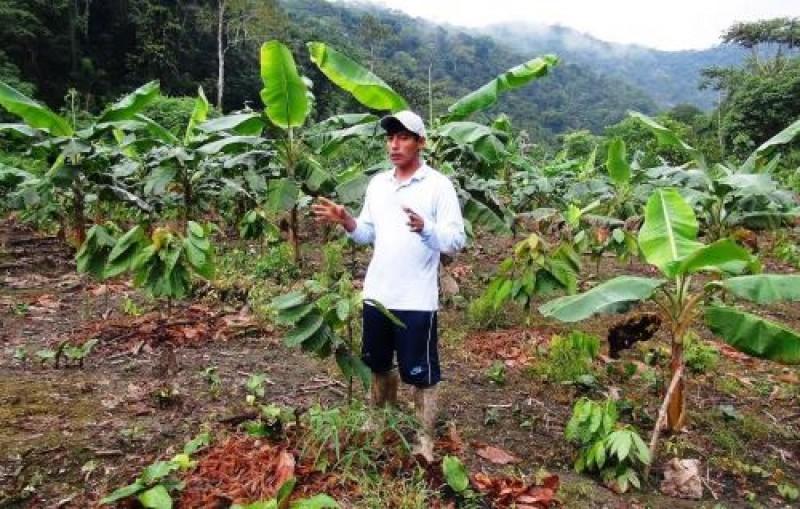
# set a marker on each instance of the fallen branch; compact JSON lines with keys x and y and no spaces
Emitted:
{"x":662,"y":417}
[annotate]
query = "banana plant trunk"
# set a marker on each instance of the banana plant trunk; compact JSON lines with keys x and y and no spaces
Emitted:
{"x":187,"y":197}
{"x":78,"y":216}
{"x":294,"y":240}
{"x":676,"y":407}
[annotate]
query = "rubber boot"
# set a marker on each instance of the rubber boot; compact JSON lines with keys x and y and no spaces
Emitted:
{"x":426,"y":407}
{"x":384,"y":389}
{"x":383,"y":392}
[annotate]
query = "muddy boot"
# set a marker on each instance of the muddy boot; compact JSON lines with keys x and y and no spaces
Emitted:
{"x":382,"y":393}
{"x":425,"y":405}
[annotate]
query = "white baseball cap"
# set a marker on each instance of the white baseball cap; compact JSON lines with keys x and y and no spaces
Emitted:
{"x":407,"y":120}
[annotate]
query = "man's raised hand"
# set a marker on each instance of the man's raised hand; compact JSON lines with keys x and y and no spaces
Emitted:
{"x":325,"y":210}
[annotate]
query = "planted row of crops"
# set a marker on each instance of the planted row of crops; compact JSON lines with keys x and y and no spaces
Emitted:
{"x":159,"y":208}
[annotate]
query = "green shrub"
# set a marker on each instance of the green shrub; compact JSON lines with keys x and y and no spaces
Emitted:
{"x":569,"y":357}
{"x":698,"y":356}
{"x":605,"y":447}
{"x":173,"y":112}
{"x":277,"y":264}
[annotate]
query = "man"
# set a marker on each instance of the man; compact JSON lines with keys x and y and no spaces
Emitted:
{"x":411,"y":214}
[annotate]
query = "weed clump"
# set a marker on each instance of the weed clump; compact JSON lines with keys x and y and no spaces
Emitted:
{"x":569,"y":357}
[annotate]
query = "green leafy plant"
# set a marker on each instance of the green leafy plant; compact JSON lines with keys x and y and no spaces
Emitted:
{"x":337,"y":438}
{"x":699,"y":356}
{"x":320,"y":320}
{"x":605,"y":447}
{"x":668,"y":240}
{"x":277,"y":264}
{"x":535,"y":268}
{"x":162,"y":263}
{"x":497,"y":373}
{"x":281,"y":500}
{"x":79,"y":157}
{"x":568,"y":358}
{"x":153,"y":486}
{"x":457,"y":478}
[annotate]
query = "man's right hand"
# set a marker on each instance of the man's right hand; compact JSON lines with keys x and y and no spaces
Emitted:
{"x":326,"y":210}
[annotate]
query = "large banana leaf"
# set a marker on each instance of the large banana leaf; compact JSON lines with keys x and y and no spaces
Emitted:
{"x":285,"y":93}
{"x":669,"y":230}
{"x":513,"y":78}
{"x":158,"y":131}
{"x":666,"y":136}
{"x":282,"y":194}
{"x":199,"y":114}
{"x":34,"y":114}
{"x":618,"y":168}
{"x":724,"y":255}
{"x":613,"y":296}
{"x":228,"y":143}
{"x":368,"y":89}
{"x":131,"y":104}
{"x":244,"y":124}
{"x":480,"y":214}
{"x":764,"y":288}
{"x":754,"y":335}
{"x":477,"y":137}
{"x":22,"y":129}
{"x":785,"y":136}
{"x":335,"y":139}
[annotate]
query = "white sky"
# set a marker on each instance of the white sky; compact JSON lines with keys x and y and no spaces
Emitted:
{"x":662,"y":24}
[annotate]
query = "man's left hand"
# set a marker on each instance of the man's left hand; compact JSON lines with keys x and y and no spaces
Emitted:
{"x":415,"y":221}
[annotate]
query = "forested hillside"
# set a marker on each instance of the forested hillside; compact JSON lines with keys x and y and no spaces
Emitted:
{"x":669,"y":77}
{"x":104,"y":48}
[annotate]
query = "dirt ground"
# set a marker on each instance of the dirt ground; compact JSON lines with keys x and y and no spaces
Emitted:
{"x":72,"y":434}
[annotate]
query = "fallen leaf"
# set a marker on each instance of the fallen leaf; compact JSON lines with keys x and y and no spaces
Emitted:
{"x":497,"y":455}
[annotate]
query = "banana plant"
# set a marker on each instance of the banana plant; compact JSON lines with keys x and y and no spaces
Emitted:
{"x":732,"y":195}
{"x":535,"y":269}
{"x":668,"y":241}
{"x":72,"y":148}
{"x":162,"y":264}
{"x":320,"y":318}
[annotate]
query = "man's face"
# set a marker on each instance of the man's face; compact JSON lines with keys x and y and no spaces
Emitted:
{"x":404,"y":148}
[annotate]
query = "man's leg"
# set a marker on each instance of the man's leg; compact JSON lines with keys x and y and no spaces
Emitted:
{"x":377,"y":352}
{"x":418,"y":358}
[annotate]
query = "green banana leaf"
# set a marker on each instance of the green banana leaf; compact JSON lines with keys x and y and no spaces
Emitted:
{"x":228,"y":144}
{"x":618,"y":168}
{"x":487,"y":95}
{"x":158,"y":131}
{"x":480,"y":214}
{"x":666,"y":136}
{"x":34,"y":114}
{"x":669,"y":231}
{"x":22,"y":129}
{"x":723,"y":255}
{"x":764,"y":288}
{"x":754,"y":335}
{"x":131,"y":104}
{"x":282,"y":194}
{"x":367,"y":88}
{"x":613,"y":296}
{"x":285,"y":94}
{"x":477,"y":137}
{"x":787,"y":135}
{"x":243,"y":124}
{"x":199,"y":115}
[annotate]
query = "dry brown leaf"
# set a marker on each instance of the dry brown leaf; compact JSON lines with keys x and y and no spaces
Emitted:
{"x":496,"y":455}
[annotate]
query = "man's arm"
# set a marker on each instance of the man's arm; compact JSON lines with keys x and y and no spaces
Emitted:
{"x":447,"y":233}
{"x":361,"y":230}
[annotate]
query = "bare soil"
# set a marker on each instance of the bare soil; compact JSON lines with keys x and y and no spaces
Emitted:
{"x":70,"y":435}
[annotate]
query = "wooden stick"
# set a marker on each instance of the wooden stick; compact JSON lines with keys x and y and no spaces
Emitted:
{"x":662,"y":416}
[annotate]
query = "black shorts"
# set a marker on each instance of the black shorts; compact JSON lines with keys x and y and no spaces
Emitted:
{"x":416,"y":345}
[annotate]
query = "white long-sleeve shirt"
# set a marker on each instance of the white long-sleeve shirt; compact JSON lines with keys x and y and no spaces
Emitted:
{"x":403,"y":273}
